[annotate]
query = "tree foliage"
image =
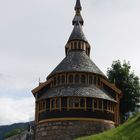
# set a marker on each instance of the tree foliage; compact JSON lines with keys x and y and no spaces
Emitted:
{"x":127,"y":82}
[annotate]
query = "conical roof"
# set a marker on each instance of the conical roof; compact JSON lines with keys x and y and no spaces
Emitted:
{"x":77,"y":34}
{"x":77,"y":61}
{"x":77,"y":19}
{"x":78,"y":5}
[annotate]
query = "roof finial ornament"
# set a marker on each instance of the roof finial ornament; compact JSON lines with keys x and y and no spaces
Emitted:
{"x":78,"y":5}
{"x":78,"y":17}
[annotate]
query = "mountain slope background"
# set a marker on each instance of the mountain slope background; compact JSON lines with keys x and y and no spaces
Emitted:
{"x":7,"y":129}
{"x":130,"y":130}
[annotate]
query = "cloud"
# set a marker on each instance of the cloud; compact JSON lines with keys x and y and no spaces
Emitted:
{"x":17,"y":83}
{"x":1,"y":75}
{"x":14,"y":111}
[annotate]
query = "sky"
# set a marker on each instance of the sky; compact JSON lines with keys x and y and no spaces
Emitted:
{"x":33,"y":34}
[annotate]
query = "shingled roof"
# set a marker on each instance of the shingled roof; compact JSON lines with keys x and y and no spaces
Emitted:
{"x":77,"y":19}
{"x":77,"y":61}
{"x":77,"y":33}
{"x":75,"y":90}
{"x":78,"y":5}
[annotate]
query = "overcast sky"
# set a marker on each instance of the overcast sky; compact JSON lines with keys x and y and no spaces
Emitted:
{"x":33,"y":34}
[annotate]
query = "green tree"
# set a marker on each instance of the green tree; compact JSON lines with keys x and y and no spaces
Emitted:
{"x":127,"y":82}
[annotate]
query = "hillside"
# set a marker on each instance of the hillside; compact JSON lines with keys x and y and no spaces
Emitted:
{"x":5,"y":129}
{"x":130,"y":130}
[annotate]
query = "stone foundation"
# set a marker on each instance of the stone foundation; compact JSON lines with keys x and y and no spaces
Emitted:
{"x":68,"y":130}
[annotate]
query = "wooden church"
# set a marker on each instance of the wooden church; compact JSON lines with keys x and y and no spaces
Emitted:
{"x":76,"y":99}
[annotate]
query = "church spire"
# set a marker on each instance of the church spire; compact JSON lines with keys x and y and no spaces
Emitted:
{"x":78,"y":5}
{"x":77,"y":40}
{"x":78,"y":18}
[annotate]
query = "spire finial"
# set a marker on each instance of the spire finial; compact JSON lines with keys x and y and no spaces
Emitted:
{"x":78,"y":5}
{"x":78,"y":18}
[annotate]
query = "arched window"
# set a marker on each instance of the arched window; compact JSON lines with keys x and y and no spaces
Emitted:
{"x":71,"y":79}
{"x":83,"y":79}
{"x":48,"y":104}
{"x":108,"y":106}
{"x":98,"y":80}
{"x":54,"y":81}
{"x":111,"y":107}
{"x":63,"y":79}
{"x":58,"y":80}
{"x":76,"y":103}
{"x":71,"y":102}
{"x":105,"y":105}
{"x":100,"y":104}
{"x":42,"y":106}
{"x":82,"y":102}
{"x":95,"y":79}
{"x":55,"y":103}
{"x":77,"y":78}
{"x":95,"y":102}
{"x":90,"y":79}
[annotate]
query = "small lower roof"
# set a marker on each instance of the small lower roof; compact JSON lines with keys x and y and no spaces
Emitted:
{"x":76,"y":90}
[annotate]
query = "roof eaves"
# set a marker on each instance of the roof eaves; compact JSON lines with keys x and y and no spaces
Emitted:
{"x":112,"y":86}
{"x":41,"y":85}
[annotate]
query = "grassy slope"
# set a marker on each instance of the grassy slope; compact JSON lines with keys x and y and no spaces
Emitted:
{"x":130,"y":130}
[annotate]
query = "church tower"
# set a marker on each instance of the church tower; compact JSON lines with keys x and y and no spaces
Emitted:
{"x":76,"y":99}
